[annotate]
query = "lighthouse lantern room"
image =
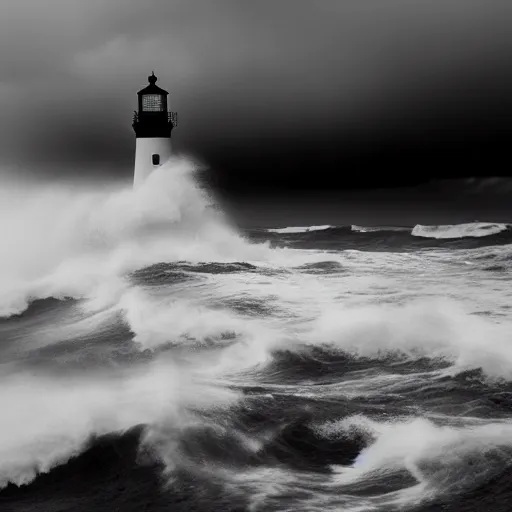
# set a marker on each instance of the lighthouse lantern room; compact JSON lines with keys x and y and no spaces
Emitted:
{"x":153,"y":125}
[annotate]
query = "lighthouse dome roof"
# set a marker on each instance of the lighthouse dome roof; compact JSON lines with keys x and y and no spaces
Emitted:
{"x":152,"y":88}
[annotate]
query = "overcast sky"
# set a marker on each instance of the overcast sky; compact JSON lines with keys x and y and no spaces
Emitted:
{"x":273,"y":86}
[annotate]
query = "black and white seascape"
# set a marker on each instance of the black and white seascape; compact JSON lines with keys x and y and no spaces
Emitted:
{"x":154,"y":357}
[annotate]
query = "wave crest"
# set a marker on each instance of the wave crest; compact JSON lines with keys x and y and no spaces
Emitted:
{"x":471,"y":229}
{"x":299,"y":229}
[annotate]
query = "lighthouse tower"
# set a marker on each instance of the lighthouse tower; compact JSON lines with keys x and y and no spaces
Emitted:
{"x":152,"y":124}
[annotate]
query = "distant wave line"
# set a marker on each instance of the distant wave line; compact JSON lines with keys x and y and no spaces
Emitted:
{"x":448,"y":231}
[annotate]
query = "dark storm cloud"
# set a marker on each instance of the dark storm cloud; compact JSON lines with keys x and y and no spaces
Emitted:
{"x":260,"y":86}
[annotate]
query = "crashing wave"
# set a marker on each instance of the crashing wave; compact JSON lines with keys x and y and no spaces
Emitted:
{"x":471,"y":229}
{"x":299,"y":229}
{"x":106,"y":234}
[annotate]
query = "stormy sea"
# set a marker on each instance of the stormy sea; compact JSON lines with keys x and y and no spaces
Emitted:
{"x":155,"y":357}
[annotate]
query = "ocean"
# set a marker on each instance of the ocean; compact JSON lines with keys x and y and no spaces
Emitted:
{"x":156,"y":357}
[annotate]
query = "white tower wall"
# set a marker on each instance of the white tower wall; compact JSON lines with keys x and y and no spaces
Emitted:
{"x":144,"y":150}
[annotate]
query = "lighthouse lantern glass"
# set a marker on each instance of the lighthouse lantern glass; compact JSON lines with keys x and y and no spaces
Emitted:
{"x":152,"y":103}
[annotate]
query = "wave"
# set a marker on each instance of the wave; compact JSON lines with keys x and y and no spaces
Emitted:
{"x":435,"y":329}
{"x":375,"y":229}
{"x":366,"y":463}
{"x":49,"y":427}
{"x":471,"y":229}
{"x":306,"y":229}
{"x":328,"y":227}
{"x":109,"y":463}
{"x":440,"y":330}
{"x":180,"y":397}
{"x":212,"y":344}
{"x":440,"y":459}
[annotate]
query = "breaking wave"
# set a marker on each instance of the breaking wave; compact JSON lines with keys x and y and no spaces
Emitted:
{"x":375,"y":229}
{"x":472,"y":229}
{"x":298,"y":229}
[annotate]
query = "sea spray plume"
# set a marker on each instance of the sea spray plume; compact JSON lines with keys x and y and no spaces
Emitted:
{"x":66,"y":241}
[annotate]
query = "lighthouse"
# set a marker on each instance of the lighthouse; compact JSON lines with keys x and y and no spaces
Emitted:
{"x":153,"y":124}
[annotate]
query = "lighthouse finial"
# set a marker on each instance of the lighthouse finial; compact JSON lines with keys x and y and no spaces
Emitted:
{"x":152,"y":79}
